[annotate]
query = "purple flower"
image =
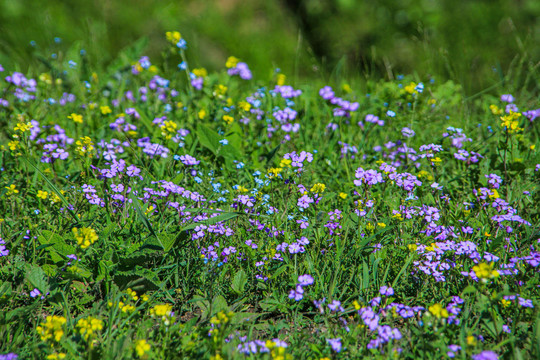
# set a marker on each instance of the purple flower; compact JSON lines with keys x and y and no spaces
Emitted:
{"x":507,"y":98}
{"x":3,"y":250}
{"x":408,"y":133}
{"x":335,"y":344}
{"x":10,"y":356}
{"x":386,"y":291}
{"x":305,"y":280}
{"x":336,"y":306}
{"x":486,"y":355}
{"x":189,"y":160}
{"x":60,"y":154}
{"x":326,"y":93}
{"x":297,"y":294}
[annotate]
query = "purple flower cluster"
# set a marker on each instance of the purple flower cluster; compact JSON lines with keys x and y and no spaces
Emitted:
{"x":298,"y":292}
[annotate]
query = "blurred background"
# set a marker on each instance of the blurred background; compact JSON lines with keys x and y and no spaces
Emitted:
{"x":473,"y":42}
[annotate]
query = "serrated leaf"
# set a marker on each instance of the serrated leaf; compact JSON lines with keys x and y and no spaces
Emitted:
{"x":37,"y":277}
{"x":239,"y":281}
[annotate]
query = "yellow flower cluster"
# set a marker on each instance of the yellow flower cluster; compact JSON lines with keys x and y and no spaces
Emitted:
{"x":85,"y":236}
{"x":411,"y":88}
{"x":200,"y":72}
{"x":318,"y":188}
{"x":141,"y":347}
{"x":495,"y":110}
{"x":438,"y":311}
{"x":280,"y":80}
{"x":52,"y":328}
{"x":221,"y":318}
{"x":173,"y":37}
{"x":228,"y":119}
{"x":89,"y":326}
{"x":163,"y":311}
{"x":510,"y":122}
{"x":232,"y":62}
{"x":168,"y":129}
{"x":23,"y":127}
{"x":76,"y":118}
{"x":85,"y":146}
{"x":125,"y":308}
{"x":42,"y":194}
{"x":273,"y":172}
{"x":11,"y":190}
{"x":220,"y":90}
{"x":485,"y":271}
{"x":56,"y":356}
{"x":105,"y":110}
{"x":13,"y":144}
{"x":244,"y":105}
{"x":277,"y":352}
{"x":132,"y":294}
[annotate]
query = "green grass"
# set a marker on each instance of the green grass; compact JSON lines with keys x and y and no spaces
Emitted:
{"x":149,"y":273}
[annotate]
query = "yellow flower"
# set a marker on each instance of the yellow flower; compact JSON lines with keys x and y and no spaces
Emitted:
{"x":13,"y":145}
{"x":244,"y":105}
{"x":42,"y":194}
{"x":411,"y":88}
{"x":383,"y":225}
{"x":22,"y":127}
{"x":285,"y":163}
{"x":105,"y":110}
{"x":485,"y":271}
{"x":242,"y":189}
{"x":347,"y":88}
{"x":11,"y":190}
{"x":494,"y":195}
{"x":342,"y":195}
{"x":202,"y":114}
{"x":495,"y":110}
{"x":173,"y":37}
{"x":228,"y":119}
{"x":220,"y":90}
{"x":412,"y":247}
{"x":51,"y":329}
{"x":436,"y":161}
{"x":318,"y":188}
{"x":85,"y":146}
{"x":231,"y":62}
{"x":471,"y":340}
{"x":273,"y":172}
{"x":163,"y":311}
{"x":56,"y":356}
{"x":200,"y":72}
{"x":141,"y":347}
{"x":89,"y":326}
{"x":85,"y":236}
{"x":168,"y":129}
{"x":356,"y":305}
{"x":505,"y":303}
{"x":438,"y":311}
{"x":281,"y":79}
{"x":149,"y":210}
{"x":76,"y":118}
{"x":132,"y":294}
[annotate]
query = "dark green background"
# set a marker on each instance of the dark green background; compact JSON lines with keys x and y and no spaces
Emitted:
{"x":472,"y":42}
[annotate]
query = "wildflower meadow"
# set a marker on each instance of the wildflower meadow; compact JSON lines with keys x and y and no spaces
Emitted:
{"x":152,"y":209}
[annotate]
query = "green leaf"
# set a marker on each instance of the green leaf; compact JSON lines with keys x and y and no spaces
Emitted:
{"x":213,"y":220}
{"x":37,"y":277}
{"x":57,"y":243}
{"x":208,"y":138}
{"x":239,"y":281}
